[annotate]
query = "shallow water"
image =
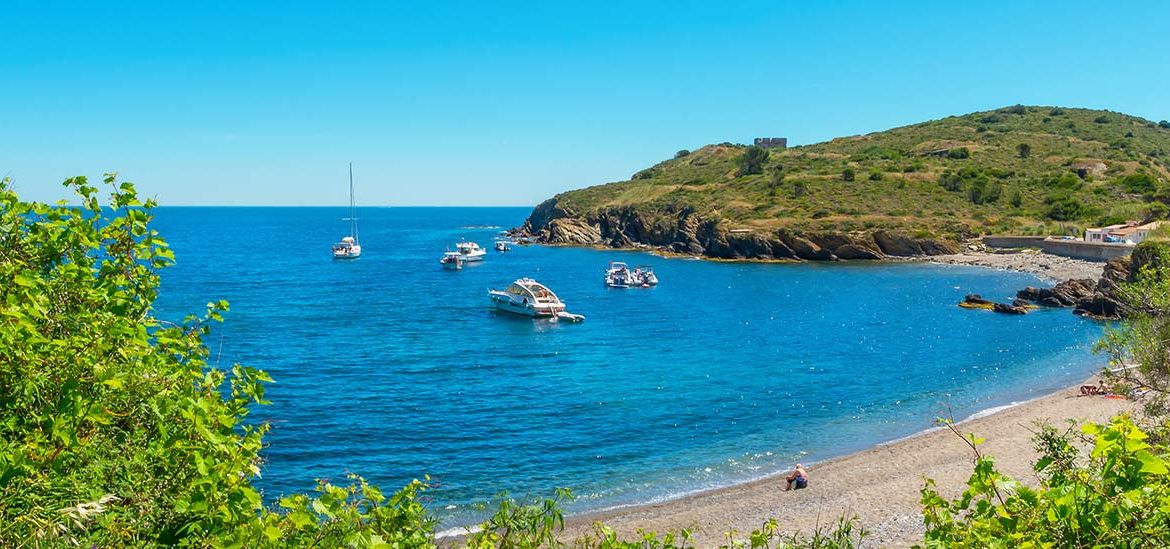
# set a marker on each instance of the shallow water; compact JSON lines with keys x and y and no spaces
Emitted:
{"x":393,"y":368}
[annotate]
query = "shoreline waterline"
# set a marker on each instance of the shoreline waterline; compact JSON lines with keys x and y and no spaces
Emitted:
{"x":581,"y":522}
{"x":862,"y":482}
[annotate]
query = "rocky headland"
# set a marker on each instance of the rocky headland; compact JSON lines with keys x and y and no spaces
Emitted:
{"x":683,"y":231}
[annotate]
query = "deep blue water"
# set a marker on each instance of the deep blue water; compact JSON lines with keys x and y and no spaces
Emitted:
{"x":393,"y":368}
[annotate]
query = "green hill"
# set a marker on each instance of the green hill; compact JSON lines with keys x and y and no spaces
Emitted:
{"x":1019,"y":170}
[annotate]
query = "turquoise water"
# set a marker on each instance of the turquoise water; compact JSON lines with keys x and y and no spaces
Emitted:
{"x":393,"y":368}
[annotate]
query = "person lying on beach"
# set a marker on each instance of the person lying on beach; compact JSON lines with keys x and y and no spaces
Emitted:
{"x":799,"y":477}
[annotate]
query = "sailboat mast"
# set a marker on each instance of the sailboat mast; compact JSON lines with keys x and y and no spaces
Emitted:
{"x":352,"y":207}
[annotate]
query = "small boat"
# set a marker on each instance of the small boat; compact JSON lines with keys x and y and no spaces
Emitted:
{"x":452,"y":261}
{"x":502,"y":246}
{"x":349,"y":247}
{"x":618,"y":275}
{"x":470,"y":251}
{"x":644,"y":276}
{"x":529,"y":298}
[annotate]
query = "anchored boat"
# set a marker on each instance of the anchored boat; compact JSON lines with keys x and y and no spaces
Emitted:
{"x":530,"y":298}
{"x":644,"y":276}
{"x":618,"y":275}
{"x":452,"y":260}
{"x":349,"y":247}
{"x":470,"y":251}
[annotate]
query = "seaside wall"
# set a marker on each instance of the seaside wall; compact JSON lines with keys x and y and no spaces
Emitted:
{"x":1014,"y":241}
{"x":1076,"y":249}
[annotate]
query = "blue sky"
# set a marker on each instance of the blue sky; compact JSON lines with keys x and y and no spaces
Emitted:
{"x":481,"y":103}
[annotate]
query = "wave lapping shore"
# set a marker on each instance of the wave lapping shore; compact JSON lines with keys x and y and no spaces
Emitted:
{"x":880,"y":485}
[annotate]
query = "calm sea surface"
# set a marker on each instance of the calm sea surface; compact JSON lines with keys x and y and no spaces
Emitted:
{"x":390,"y":367}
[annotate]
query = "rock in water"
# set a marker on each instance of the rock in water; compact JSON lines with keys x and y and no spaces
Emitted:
{"x":1065,"y":294}
{"x":976,"y":301}
{"x":1009,"y":309}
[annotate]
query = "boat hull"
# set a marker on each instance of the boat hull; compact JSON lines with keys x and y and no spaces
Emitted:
{"x":507,"y":305}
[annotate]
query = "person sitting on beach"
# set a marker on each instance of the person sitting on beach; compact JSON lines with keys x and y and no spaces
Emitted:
{"x":799,"y":477}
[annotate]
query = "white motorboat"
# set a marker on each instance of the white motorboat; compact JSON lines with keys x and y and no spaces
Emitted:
{"x":502,"y":246}
{"x":470,"y":251}
{"x":452,"y":260}
{"x":644,"y":276}
{"x":618,"y":275}
{"x":349,"y":247}
{"x":529,"y":298}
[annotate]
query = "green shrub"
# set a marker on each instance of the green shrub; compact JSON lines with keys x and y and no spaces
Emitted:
{"x":752,"y":161}
{"x":1165,"y":124}
{"x":876,"y":176}
{"x":959,"y":153}
{"x":1017,"y":199}
{"x":848,"y":174}
{"x":1138,"y":183}
{"x":1023,"y":150}
{"x":681,"y":153}
{"x":1056,"y":112}
{"x":1065,"y":207}
{"x":1113,"y":496}
{"x":1101,"y":119}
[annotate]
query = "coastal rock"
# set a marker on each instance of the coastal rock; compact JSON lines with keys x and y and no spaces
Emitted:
{"x":572,"y":231}
{"x":976,"y":301}
{"x":931,"y":246}
{"x":542,"y":215}
{"x":845,"y":246}
{"x":684,"y":231}
{"x":1106,"y":303}
{"x":804,"y":248}
{"x":1065,"y":294}
{"x":897,"y":244}
{"x":1009,"y":309}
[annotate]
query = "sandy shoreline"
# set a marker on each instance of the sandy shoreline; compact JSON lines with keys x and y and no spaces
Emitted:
{"x":880,"y":485}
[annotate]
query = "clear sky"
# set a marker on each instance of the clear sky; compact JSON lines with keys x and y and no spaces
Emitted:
{"x":494,"y":103}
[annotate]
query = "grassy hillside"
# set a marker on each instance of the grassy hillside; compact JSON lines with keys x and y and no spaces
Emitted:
{"x":1023,"y":170}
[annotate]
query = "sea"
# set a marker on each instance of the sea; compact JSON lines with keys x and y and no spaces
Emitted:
{"x":390,"y":367}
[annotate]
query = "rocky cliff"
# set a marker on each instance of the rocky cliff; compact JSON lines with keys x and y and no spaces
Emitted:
{"x":684,"y":231}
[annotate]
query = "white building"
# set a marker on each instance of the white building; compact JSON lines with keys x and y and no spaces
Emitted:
{"x":1125,"y":233}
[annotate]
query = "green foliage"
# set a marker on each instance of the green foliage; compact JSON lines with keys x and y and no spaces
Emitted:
{"x":681,"y":153}
{"x":1156,"y":211}
{"x":1143,"y":340}
{"x":1101,"y":119}
{"x":1062,"y":206}
{"x":959,"y":153}
{"x":1017,"y":199}
{"x":1118,"y":495}
{"x":1023,"y":150}
{"x":1138,"y":183}
{"x":1165,"y":124}
{"x":983,"y":192}
{"x":956,"y":181}
{"x":848,"y":174}
{"x":752,"y":161}
{"x":1063,"y":182}
{"x":876,"y":176}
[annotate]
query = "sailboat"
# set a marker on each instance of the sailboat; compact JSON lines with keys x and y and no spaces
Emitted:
{"x":349,"y":247}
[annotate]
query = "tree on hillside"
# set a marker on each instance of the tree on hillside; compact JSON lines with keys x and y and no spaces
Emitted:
{"x":848,"y":174}
{"x":775,"y":178}
{"x":752,"y":161}
{"x":1165,"y":124}
{"x":681,"y":153}
{"x":1024,"y":150}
